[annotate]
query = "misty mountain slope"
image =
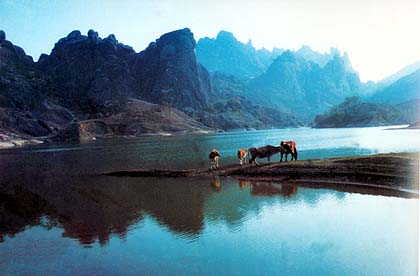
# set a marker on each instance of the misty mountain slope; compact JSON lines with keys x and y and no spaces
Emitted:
{"x":353,"y":112}
{"x":407,"y":70}
{"x":302,"y":82}
{"x":308,"y":54}
{"x":303,"y":87}
{"x":230,"y":56}
{"x":405,"y":89}
{"x":232,"y":109}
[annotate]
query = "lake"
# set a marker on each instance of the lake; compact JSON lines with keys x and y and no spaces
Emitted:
{"x":59,"y":216}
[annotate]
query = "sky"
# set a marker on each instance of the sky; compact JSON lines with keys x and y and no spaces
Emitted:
{"x":380,"y":36}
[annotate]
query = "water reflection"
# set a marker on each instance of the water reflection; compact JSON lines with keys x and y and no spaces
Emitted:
{"x":243,"y":184}
{"x":93,"y":209}
{"x":21,"y":209}
{"x":269,"y":189}
{"x":215,"y":183}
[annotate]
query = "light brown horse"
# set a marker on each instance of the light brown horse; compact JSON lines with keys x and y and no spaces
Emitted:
{"x":241,"y":156}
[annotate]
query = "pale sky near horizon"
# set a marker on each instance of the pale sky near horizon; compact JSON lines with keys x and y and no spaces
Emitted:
{"x":380,"y":36}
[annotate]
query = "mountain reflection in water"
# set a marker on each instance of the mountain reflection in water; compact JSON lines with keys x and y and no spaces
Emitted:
{"x":97,"y":207}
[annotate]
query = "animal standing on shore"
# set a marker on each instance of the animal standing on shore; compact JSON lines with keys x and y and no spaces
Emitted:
{"x":214,"y":159}
{"x":287,"y":147}
{"x":262,"y":152}
{"x":241,"y":155}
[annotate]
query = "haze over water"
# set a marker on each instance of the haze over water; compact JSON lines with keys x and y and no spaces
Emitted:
{"x":60,"y":217}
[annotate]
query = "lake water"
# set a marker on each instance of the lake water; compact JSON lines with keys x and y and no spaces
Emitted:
{"x":58,"y":216}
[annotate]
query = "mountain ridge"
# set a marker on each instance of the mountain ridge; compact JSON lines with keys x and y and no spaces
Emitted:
{"x":90,"y":87}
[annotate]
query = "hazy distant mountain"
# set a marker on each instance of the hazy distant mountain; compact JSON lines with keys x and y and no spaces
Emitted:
{"x":302,"y":86}
{"x":355,"y":113}
{"x":228,"y":55}
{"x":232,"y":109}
{"x":308,"y":54}
{"x":290,"y":80}
{"x":405,"y":89}
{"x":407,"y":70}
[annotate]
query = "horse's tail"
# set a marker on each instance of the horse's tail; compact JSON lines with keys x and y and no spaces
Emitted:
{"x":248,"y":157}
{"x":296,"y":153}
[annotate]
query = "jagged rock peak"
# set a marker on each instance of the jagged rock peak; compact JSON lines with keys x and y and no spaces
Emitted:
{"x":225,"y":35}
{"x":286,"y":56}
{"x":334,"y":51}
{"x":181,"y":39}
{"x":113,"y":39}
{"x":2,"y":36}
{"x":74,"y":34}
{"x":93,"y":36}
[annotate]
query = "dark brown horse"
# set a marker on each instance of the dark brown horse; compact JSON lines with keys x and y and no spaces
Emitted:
{"x":262,"y":152}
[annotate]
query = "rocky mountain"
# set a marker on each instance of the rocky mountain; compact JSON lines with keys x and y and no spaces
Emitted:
{"x":168,"y":72}
{"x":228,"y":55}
{"x":24,"y":108}
{"x":90,"y":87}
{"x":94,"y":75}
{"x":102,"y":84}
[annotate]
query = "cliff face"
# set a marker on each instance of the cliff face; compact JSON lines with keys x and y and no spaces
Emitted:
{"x":18,"y":79}
{"x":167,"y":72}
{"x":24,"y":108}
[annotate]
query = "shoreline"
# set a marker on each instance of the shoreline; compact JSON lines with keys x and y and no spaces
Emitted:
{"x":9,"y":140}
{"x":392,"y":171}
